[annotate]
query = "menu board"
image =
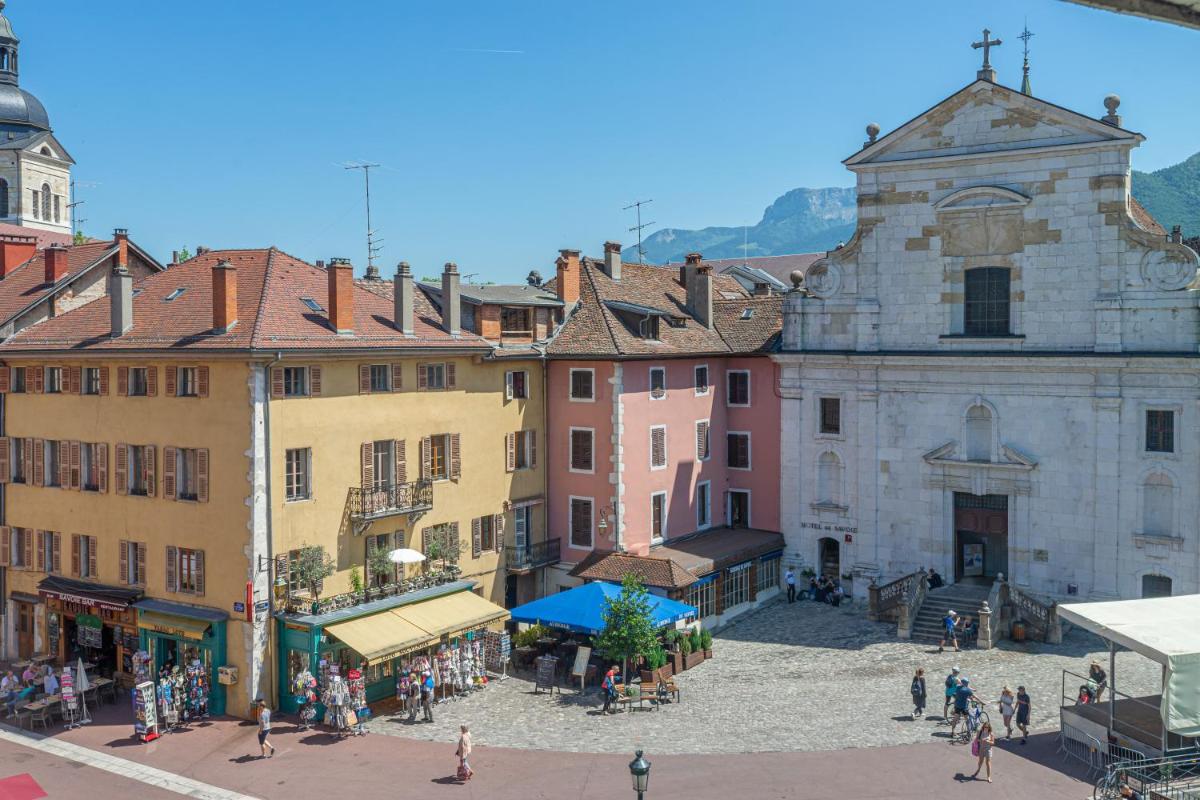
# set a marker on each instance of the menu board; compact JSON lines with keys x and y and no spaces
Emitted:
{"x":546,"y":666}
{"x":145,"y":712}
{"x":582,"y":654}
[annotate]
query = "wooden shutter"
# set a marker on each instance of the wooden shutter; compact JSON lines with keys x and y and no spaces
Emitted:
{"x":56,"y":546}
{"x":422,"y":377}
{"x":401,"y":461}
{"x":451,"y":382}
{"x":426,"y":458}
{"x":39,"y":463}
{"x":41,"y":549}
{"x":76,"y":380}
{"x":510,"y":454}
{"x":102,"y":467}
{"x":92,"y":571}
{"x":508,"y":385}
{"x":314,"y":381}
{"x":200,"y":572}
{"x":64,"y":464}
{"x":103,"y":380}
{"x":364,"y":378}
{"x":75,"y":554}
{"x":5,"y":380}
{"x":276,"y":382}
{"x":123,"y":561}
{"x":658,"y":447}
{"x":202,"y":381}
{"x":170,"y":456}
{"x":76,"y":465}
{"x":5,"y":544}
{"x":455,"y":456}
{"x":498,"y":532}
{"x":172,"y":565}
{"x":123,"y":381}
{"x":476,"y":537}
{"x":122,"y":468}
{"x":172,"y":380}
{"x":532,"y":438}
{"x":367,"y":462}
{"x":141,"y":563}
{"x":29,"y":462}
{"x":202,"y":475}
{"x":27,"y":542}
{"x":39,"y":379}
{"x":5,"y":459}
{"x":397,"y":377}
{"x":151,"y":475}
{"x":151,"y":381}
{"x":702,"y":440}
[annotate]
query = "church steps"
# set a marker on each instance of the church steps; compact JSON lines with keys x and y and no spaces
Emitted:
{"x":965,"y":599}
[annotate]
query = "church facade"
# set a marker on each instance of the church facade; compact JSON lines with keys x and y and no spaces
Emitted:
{"x":998,"y":372}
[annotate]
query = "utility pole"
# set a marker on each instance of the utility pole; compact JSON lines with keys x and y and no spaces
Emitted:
{"x":373,"y":246}
{"x":640,"y":225}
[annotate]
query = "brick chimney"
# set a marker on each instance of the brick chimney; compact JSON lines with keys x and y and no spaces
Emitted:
{"x":224,"y":291}
{"x":121,"y":239}
{"x":341,"y":295}
{"x":687,"y":273}
{"x":15,"y":251}
{"x":55,"y":257}
{"x":612,"y":260}
{"x":451,"y":300}
{"x":700,"y":295}
{"x":568,"y":276}
{"x":402,"y":296}
{"x":120,"y":294}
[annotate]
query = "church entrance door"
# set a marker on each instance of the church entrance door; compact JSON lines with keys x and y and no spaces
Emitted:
{"x":980,"y":535}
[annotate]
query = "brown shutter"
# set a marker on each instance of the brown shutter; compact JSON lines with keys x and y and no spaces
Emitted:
{"x":39,"y":379}
{"x":92,"y":571}
{"x":76,"y":465}
{"x":498,"y":532}
{"x":397,"y":377}
{"x":28,"y":541}
{"x":172,"y":380}
{"x":102,"y":467}
{"x":41,"y":549}
{"x":5,"y":544}
{"x":151,"y":475}
{"x":103,"y":380}
{"x":39,"y":463}
{"x":510,"y":448}
{"x":141,"y":563}
{"x":57,"y":547}
{"x":123,"y":561}
{"x":451,"y":382}
{"x":426,"y":458}
{"x":202,"y":381}
{"x":314,"y":381}
{"x":75,"y":554}
{"x":123,"y":381}
{"x":455,"y":456}
{"x":422,"y":377}
{"x":701,"y":440}
{"x":658,"y":447}
{"x":276,"y":381}
{"x":172,"y":564}
{"x":122,"y":468}
{"x":64,"y":463}
{"x":200,"y":572}
{"x":364,"y":378}
{"x":151,"y":381}
{"x":170,"y":455}
{"x":532,"y":449}
{"x":367,"y":462}
{"x":76,"y":380}
{"x":5,"y":381}
{"x":5,"y":459}
{"x":401,"y":461}
{"x":476,"y":537}
{"x":202,"y":475}
{"x":29,"y":462}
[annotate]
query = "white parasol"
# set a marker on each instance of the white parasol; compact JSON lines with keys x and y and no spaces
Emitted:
{"x":406,"y":555}
{"x":81,"y":686}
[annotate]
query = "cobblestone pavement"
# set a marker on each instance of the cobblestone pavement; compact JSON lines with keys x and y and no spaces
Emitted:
{"x":800,"y":677}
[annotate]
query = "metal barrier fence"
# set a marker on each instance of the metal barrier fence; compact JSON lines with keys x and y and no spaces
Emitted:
{"x":1175,"y":777}
{"x":1080,"y":745}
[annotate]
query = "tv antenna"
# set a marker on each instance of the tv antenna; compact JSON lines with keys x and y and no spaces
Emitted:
{"x":76,"y":222}
{"x":640,"y":225}
{"x":373,"y":244}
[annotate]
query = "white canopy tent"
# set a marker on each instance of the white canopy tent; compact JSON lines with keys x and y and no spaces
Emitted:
{"x":1164,"y":629}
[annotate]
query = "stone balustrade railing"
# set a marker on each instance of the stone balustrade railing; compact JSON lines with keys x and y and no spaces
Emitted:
{"x":1039,"y":616}
{"x":884,"y":602}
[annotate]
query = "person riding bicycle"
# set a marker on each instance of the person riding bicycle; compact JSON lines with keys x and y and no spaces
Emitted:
{"x":962,"y":703}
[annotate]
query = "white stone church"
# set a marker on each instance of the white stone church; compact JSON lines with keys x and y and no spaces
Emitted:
{"x":999,"y":372}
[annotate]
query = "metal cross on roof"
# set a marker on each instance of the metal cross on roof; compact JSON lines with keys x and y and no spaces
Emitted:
{"x":986,"y":73}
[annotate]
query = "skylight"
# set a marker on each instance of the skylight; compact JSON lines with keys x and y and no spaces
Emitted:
{"x":174,"y":294}
{"x":313,"y":305}
{"x":747,"y":313}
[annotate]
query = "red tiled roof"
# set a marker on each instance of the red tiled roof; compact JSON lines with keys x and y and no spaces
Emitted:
{"x":663,"y":573}
{"x":26,"y":284}
{"x":778,"y":267}
{"x":44,"y":238}
{"x":1143,"y":218}
{"x":272,"y":316}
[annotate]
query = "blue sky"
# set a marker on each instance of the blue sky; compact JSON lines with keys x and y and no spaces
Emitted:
{"x":507,"y":130}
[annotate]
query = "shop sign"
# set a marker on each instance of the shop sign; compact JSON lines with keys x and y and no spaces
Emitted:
{"x":262,"y":605}
{"x":90,"y":602}
{"x":167,"y":629}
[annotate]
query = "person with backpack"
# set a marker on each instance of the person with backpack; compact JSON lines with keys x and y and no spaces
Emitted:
{"x":918,"y":693}
{"x":609,"y":685}
{"x":950,"y":623}
{"x":951,"y":688}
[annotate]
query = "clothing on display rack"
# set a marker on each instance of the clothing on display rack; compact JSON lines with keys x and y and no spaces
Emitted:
{"x":197,"y":690}
{"x":337,"y":703}
{"x":304,"y":690}
{"x":357,"y":689}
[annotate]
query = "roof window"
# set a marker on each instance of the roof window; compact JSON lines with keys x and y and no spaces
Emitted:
{"x":313,"y":305}
{"x":174,"y":294}
{"x":747,"y":313}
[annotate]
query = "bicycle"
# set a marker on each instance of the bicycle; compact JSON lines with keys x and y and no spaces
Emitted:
{"x":972,"y":721}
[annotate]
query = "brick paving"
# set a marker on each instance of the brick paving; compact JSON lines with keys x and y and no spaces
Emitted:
{"x":804,"y":677}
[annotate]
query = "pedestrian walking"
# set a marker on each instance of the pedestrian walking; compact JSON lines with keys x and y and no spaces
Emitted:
{"x":1023,"y":713}
{"x":950,"y":623}
{"x":951,"y":688}
{"x":464,"y":753}
{"x":609,"y":685}
{"x":790,"y":579}
{"x":962,"y":704}
{"x":427,"y":696}
{"x":1007,"y":705}
{"x":264,"y":728}
{"x":982,"y":747}
{"x":918,"y":693}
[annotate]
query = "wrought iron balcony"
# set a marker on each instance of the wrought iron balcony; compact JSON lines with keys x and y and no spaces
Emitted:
{"x":389,"y":499}
{"x":533,"y":555}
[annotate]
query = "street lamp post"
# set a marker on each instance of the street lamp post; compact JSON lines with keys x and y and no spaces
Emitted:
{"x":639,"y":768}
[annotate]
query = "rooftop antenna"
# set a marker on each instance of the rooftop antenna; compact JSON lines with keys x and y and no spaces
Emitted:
{"x":75,"y":222}
{"x":745,"y":246}
{"x":1025,"y":36}
{"x":373,"y":246}
{"x":640,"y":225}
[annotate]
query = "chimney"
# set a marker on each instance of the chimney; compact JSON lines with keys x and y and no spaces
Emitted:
{"x":174,"y":257}
{"x":121,"y":239}
{"x":402,"y":294}
{"x":120,"y":294}
{"x":451,"y":302}
{"x":224,"y":292}
{"x":612,"y":260}
{"x":568,"y":276}
{"x":56,"y":263}
{"x":320,"y":263}
{"x":687,"y":274}
{"x":341,"y":295}
{"x":700,"y":295}
{"x":15,"y":251}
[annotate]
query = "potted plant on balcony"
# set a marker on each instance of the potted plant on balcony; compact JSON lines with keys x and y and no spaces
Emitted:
{"x":380,"y":567}
{"x":311,"y":567}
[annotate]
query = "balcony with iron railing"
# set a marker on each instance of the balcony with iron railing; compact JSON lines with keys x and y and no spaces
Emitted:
{"x":533,"y":555}
{"x":392,"y":498}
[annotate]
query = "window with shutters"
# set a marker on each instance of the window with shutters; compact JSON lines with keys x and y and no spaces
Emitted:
{"x":831,"y":416}
{"x":379,"y":542}
{"x":17,"y":460}
{"x":1160,"y":431}
{"x":138,"y":382}
{"x":138,"y":481}
{"x":701,"y":382}
{"x":523,"y":453}
{"x":21,"y":549}
{"x":381,"y":377}
{"x":516,"y":321}
{"x":45,"y":546}
{"x":580,"y":522}
{"x":738,"y":450}
{"x":582,"y":456}
{"x":89,"y":467}
{"x":384,"y":455}
{"x":186,"y":384}
{"x":487,"y":532}
{"x":295,"y":585}
{"x":658,"y":383}
{"x":295,"y":381}
{"x":434,"y":377}
{"x":186,"y":474}
{"x":91,"y":381}
{"x":189,"y":571}
{"x":297,"y":465}
{"x":52,"y":462}
{"x":87,"y":557}
{"x":738,"y":387}
{"x":583,"y":385}
{"x":737,"y":512}
{"x":986,"y":302}
{"x":54,"y":380}
{"x":439,"y":462}
{"x":658,"y":447}
{"x":134,"y":556}
{"x":703,"y":451}
{"x":517,"y":385}
{"x":18,"y":381}
{"x":703,"y":504}
{"x":658,"y":517}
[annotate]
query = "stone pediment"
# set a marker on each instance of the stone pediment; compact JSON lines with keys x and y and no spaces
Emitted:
{"x":986,"y":118}
{"x":1010,"y":458}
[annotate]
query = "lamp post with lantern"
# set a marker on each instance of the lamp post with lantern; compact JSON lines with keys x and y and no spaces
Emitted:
{"x":639,"y":769}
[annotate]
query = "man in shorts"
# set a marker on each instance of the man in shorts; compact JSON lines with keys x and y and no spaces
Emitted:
{"x":962,"y":704}
{"x":949,"y":622}
{"x":951,"y":688}
{"x":264,"y":728}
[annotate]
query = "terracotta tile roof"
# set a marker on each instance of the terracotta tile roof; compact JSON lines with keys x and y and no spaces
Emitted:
{"x":44,"y":238}
{"x":595,"y":328}
{"x":717,"y":548}
{"x":778,"y":267}
{"x":1143,"y":218}
{"x":272,"y":315}
{"x":604,"y":565}
{"x":26,"y":285}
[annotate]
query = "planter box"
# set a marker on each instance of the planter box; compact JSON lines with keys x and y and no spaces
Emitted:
{"x":693,"y":659}
{"x":707,"y":654}
{"x":676,"y":663}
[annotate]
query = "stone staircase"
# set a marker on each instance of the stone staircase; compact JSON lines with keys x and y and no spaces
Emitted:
{"x":964,"y":598}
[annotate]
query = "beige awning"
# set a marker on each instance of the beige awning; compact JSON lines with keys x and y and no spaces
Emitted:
{"x":381,"y":636}
{"x":452,"y":613}
{"x":185,"y":627}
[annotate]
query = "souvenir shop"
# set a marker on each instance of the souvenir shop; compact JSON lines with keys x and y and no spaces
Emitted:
{"x":350,"y":658}
{"x":91,"y":621}
{"x":180,"y":650}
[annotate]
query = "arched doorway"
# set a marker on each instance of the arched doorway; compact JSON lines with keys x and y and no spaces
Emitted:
{"x":1156,"y":586}
{"x":829,"y":559}
{"x":980,"y":536}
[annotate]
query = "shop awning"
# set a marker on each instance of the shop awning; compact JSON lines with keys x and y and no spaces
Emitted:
{"x":380,"y":636}
{"x":453,"y":613}
{"x":187,"y":627}
{"x":582,"y":609}
{"x":97,"y":595}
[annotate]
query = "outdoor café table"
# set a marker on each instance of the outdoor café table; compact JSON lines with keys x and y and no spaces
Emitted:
{"x":104,"y":686}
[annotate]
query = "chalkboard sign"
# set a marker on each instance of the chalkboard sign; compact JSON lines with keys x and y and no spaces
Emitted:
{"x":581,"y":661}
{"x":546,"y":665}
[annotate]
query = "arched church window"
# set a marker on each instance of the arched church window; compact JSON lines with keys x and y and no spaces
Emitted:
{"x":829,"y":479}
{"x":57,"y":208}
{"x":3,"y":198}
{"x":45,"y":201}
{"x":1158,"y":505}
{"x":985,"y":302}
{"x":979,"y":433}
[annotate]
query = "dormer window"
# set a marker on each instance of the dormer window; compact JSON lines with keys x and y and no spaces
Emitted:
{"x":648,"y":328}
{"x":515,"y":322}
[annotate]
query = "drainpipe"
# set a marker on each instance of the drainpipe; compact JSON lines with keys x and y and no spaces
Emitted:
{"x":541,"y":590}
